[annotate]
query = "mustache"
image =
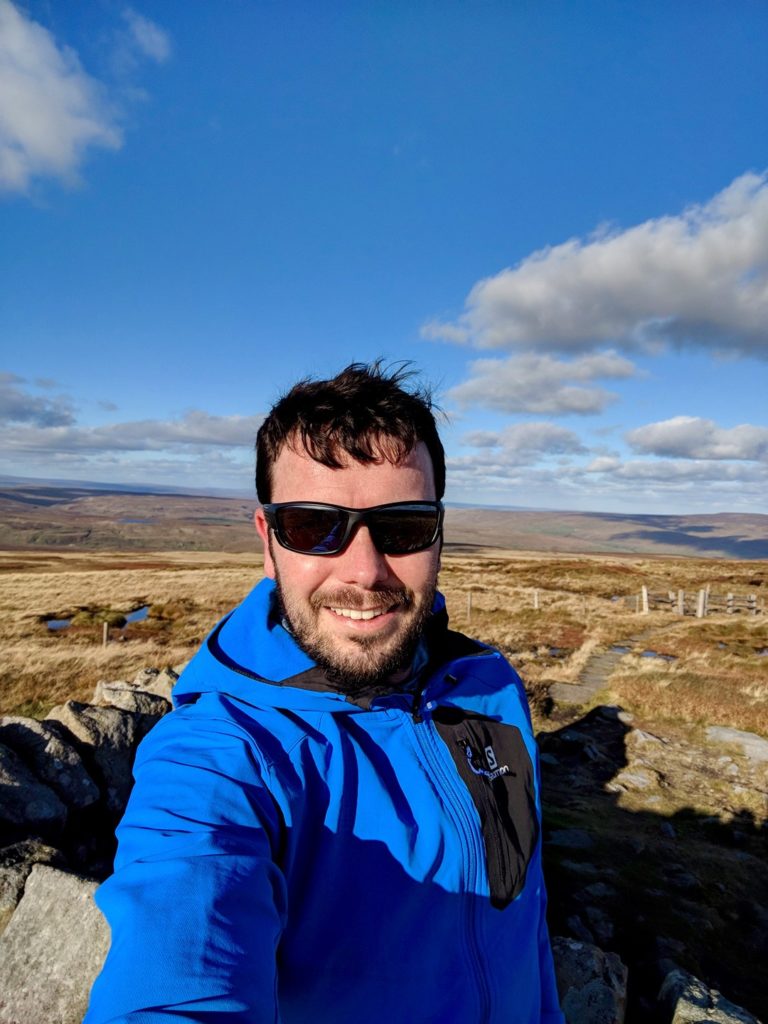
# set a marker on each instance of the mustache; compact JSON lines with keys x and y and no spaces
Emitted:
{"x":375,"y":599}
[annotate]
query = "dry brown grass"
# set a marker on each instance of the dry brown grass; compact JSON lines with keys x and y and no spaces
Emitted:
{"x":718,"y":676}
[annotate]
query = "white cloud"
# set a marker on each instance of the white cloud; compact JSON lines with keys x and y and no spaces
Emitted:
{"x":525,"y":439}
{"x":691,"y":437}
{"x":147,"y":37}
{"x":696,"y":279}
{"x":51,"y":110}
{"x":543,"y":385}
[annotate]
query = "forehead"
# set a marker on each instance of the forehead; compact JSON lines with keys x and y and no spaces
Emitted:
{"x":298,"y":477}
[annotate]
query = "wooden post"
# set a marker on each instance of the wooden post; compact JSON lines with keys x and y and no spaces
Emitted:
{"x":536,"y":600}
{"x":644,"y":598}
{"x":701,"y":604}
{"x":105,"y":635}
{"x":681,"y":602}
{"x":729,"y":604}
{"x":469,"y":606}
{"x":752,"y":604}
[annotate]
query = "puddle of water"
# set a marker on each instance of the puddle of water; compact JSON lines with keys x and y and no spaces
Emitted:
{"x":58,"y":623}
{"x":655,"y":654}
{"x":620,"y":649}
{"x":721,"y":646}
{"x":763,"y":652}
{"x":137,"y":615}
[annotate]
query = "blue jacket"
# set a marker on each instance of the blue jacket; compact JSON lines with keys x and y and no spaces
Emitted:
{"x":290,"y":855}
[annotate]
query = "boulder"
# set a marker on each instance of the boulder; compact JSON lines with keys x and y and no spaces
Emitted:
{"x":689,"y":1001}
{"x":754,"y":748}
{"x":52,"y":950}
{"x":108,"y":737}
{"x":54,"y":761}
{"x":151,"y":680}
{"x":28,"y":806}
{"x":16,"y":862}
{"x":129,"y":697}
{"x":592,"y":984}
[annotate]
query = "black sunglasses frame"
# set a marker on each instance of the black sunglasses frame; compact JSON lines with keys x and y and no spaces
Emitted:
{"x":354,"y":517}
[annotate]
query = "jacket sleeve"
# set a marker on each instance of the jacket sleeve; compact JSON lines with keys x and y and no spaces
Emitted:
{"x":197,"y":902}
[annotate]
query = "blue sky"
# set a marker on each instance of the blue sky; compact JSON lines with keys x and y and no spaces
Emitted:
{"x":557,"y":210}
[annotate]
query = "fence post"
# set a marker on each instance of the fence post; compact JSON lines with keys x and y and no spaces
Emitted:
{"x":729,"y":604}
{"x":105,"y":635}
{"x":701,"y":604}
{"x":752,"y":604}
{"x":469,"y":606}
{"x":681,"y":602}
{"x":536,"y":600}
{"x":644,"y":597}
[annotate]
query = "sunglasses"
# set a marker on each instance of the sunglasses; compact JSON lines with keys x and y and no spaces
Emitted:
{"x":313,"y":528}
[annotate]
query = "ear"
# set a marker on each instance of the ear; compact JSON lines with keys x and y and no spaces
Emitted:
{"x":263,"y":531}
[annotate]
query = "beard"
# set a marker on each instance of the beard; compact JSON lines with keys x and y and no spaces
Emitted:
{"x":364,"y":665}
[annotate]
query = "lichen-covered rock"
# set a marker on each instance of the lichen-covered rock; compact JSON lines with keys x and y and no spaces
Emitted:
{"x":52,"y":950}
{"x":54,"y":761}
{"x":27,"y":805}
{"x":689,"y":1001}
{"x":153,"y":681}
{"x":16,"y":862}
{"x":754,"y":747}
{"x":108,"y":737}
{"x":129,"y":697}
{"x":592,"y":984}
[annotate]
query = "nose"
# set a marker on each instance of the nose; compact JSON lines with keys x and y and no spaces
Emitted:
{"x":360,"y":562}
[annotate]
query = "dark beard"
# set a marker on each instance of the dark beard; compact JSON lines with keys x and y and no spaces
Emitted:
{"x":373,"y":679}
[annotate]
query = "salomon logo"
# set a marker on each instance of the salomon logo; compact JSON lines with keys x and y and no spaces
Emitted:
{"x":493,"y":771}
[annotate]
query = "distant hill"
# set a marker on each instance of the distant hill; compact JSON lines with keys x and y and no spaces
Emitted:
{"x":106,"y":518}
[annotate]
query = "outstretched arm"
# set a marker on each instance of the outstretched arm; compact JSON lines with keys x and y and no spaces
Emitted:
{"x":197,"y":903}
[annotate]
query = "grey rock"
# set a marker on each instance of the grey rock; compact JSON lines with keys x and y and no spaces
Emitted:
{"x":52,"y":950}
{"x":579,"y":930}
{"x":754,"y":747}
{"x":160,"y":683}
{"x":569,"y":693}
{"x":635,"y":778}
{"x":570,"y":838}
{"x":28,"y":806}
{"x":689,"y":1001}
{"x":592,"y":984}
{"x":110,"y":737}
{"x":129,"y":697}
{"x":16,"y":862}
{"x":54,"y":761}
{"x":600,"y":925}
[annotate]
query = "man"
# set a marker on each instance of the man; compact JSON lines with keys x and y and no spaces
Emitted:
{"x":340,"y":820}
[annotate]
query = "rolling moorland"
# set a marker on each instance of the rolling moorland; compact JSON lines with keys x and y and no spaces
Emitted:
{"x":655,"y":822}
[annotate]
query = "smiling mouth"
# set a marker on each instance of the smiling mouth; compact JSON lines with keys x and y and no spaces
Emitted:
{"x":360,"y":613}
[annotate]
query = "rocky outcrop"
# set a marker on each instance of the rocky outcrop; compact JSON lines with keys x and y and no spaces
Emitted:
{"x":52,"y":950}
{"x":66,"y":781}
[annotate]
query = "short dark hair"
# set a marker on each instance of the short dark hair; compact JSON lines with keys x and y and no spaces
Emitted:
{"x":364,"y":412}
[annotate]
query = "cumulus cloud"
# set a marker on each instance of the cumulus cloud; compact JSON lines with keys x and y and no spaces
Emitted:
{"x":19,"y":406}
{"x":696,"y":279}
{"x":146,"y":37}
{"x":51,"y":110}
{"x":526,"y":439}
{"x":543,"y":385}
{"x":691,"y":437}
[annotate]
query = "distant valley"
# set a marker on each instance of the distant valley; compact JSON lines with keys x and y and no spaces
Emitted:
{"x":49,"y":516}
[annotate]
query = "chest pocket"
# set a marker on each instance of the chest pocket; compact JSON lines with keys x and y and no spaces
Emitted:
{"x":493,"y":763}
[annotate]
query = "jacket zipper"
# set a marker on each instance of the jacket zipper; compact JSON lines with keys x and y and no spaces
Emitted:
{"x":428,"y":741}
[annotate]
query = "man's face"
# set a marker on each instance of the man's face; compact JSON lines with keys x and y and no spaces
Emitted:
{"x":319,"y":593}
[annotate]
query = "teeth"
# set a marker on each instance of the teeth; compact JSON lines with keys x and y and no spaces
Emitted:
{"x":358,"y":613}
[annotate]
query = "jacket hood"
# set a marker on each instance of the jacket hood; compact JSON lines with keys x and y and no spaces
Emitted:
{"x":252,"y":656}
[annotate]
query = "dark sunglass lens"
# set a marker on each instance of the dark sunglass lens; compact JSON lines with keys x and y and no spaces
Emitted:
{"x":401,"y":531}
{"x":317,"y":531}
